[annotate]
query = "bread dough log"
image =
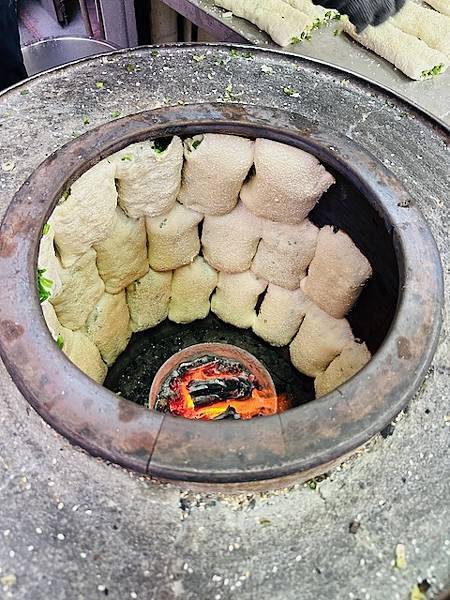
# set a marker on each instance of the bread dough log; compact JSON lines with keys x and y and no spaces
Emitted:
{"x":48,"y":262}
{"x":192,"y":287}
{"x":76,"y":346}
{"x":148,"y":180}
{"x":81,"y":289}
{"x":426,"y":24}
{"x":409,"y":54}
{"x":148,"y":300}
{"x":58,"y":332}
{"x":173,"y":239}
{"x":236,"y":296}
{"x":122,"y":256}
{"x":283,"y":23}
{"x":337,"y":273}
{"x":214,"y":171}
{"x":313,"y":10}
{"x":82,"y":351}
{"x":285,"y":252}
{"x":442,"y":6}
{"x":280,"y":315}
{"x":85,"y":217}
{"x":319,"y":339}
{"x":229,"y":242}
{"x":287,"y":184}
{"x":351,"y":360}
{"x":108,"y":326}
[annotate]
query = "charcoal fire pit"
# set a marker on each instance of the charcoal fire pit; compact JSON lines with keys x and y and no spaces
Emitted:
{"x":397,"y":315}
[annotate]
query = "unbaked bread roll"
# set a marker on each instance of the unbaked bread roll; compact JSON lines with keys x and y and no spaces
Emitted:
{"x":108,"y":326}
{"x":148,"y":300}
{"x":442,"y":6}
{"x":285,"y":252}
{"x":319,"y":339}
{"x":287,"y":183}
{"x":236,"y":296}
{"x":229,"y":242}
{"x":215,"y":166}
{"x":148,"y":179}
{"x":308,"y":8}
{"x":82,"y":351}
{"x":337,"y":273}
{"x":86,"y":212}
{"x":280,"y":315}
{"x":283,"y":23}
{"x":122,"y":256}
{"x":173,"y":239}
{"x":192,"y":286}
{"x":409,"y":54}
{"x":58,"y":332}
{"x":76,"y":345}
{"x":426,"y":24}
{"x":351,"y":360}
{"x":48,"y":262}
{"x":81,"y":289}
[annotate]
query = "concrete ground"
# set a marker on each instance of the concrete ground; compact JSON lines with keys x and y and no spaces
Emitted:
{"x":74,"y":527}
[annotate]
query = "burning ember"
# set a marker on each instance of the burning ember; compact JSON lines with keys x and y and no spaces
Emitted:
{"x":212,"y":387}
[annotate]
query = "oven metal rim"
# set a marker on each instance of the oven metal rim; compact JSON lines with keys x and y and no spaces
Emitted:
{"x":133,"y":441}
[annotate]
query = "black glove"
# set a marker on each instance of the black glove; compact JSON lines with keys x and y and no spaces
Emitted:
{"x":364,"y":12}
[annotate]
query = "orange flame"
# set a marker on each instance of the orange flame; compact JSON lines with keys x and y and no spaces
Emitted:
{"x":261,"y":402}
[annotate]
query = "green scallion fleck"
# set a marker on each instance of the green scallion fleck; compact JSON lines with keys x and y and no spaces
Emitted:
{"x":154,"y":53}
{"x":199,"y":57}
{"x":228,"y":95}
{"x":86,"y":121}
{"x":60,"y":342}
{"x":160,"y":145}
{"x":24,"y":92}
{"x":130,"y":68}
{"x":436,"y":70}
{"x":196,"y":144}
{"x":99,"y":85}
{"x":44,"y":285}
{"x":65,"y":195}
{"x":46,"y":229}
{"x":115,"y":114}
{"x":127,"y":157}
{"x":290,"y":91}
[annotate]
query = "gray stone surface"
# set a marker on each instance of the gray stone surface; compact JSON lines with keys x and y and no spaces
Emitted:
{"x":74,"y":527}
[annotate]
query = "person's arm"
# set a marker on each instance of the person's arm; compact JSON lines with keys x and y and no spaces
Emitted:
{"x":12,"y":69}
{"x":364,"y":12}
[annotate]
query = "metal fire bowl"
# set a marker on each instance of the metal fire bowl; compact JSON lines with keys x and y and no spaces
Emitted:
{"x":247,"y":360}
{"x":258,"y":452}
{"x":52,"y":52}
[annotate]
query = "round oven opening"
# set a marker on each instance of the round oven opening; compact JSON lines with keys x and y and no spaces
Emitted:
{"x":160,"y":232}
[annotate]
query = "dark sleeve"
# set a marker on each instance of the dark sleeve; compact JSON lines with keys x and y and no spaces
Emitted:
{"x":12,"y":68}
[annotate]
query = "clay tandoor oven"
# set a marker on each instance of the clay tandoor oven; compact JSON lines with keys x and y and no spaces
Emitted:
{"x":396,"y":316}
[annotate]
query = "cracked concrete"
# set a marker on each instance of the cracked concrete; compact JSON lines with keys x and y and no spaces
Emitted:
{"x":74,"y":527}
